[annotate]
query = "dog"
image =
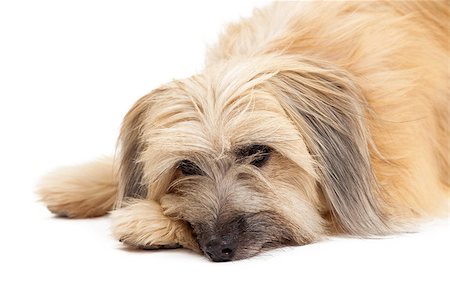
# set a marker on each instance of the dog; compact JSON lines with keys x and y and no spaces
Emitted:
{"x":309,"y":120}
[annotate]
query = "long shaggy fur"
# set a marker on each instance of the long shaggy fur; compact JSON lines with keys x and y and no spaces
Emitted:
{"x":82,"y":191}
{"x":347,"y":106}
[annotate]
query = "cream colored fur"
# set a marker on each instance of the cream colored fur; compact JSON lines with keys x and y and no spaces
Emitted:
{"x":82,"y":191}
{"x":143,"y":225}
{"x":352,"y":96}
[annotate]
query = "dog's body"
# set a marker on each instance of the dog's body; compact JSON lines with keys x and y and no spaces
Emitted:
{"x":308,"y":120}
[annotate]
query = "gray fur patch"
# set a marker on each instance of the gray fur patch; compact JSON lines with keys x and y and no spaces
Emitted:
{"x":329,"y":110}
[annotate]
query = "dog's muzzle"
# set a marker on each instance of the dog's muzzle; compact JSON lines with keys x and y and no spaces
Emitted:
{"x":220,"y":242}
{"x":220,"y":249}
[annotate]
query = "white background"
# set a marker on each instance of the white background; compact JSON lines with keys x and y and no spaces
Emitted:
{"x":68,"y":74}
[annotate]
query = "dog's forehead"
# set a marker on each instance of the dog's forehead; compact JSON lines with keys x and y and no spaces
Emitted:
{"x":216,"y":113}
{"x":212,"y":113}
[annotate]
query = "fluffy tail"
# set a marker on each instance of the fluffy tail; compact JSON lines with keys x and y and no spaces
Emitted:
{"x":83,"y":191}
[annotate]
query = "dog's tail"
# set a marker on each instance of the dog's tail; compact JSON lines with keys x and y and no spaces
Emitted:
{"x":83,"y":191}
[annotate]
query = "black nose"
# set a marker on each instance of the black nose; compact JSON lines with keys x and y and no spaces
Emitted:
{"x":220,"y":250}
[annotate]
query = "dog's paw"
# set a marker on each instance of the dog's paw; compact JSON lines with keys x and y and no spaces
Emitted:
{"x":142,"y":225}
{"x":130,"y":242}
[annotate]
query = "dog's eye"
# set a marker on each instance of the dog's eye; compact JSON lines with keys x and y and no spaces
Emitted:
{"x":258,"y":153}
{"x":187,"y":167}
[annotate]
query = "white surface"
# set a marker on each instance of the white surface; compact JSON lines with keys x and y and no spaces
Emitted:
{"x":68,"y":74}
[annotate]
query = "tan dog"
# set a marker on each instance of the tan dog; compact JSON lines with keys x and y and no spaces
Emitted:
{"x":309,"y":120}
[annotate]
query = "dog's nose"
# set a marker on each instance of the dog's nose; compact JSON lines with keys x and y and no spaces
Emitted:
{"x":220,"y":250}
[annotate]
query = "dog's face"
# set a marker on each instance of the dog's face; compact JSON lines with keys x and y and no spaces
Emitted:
{"x":243,"y":154}
{"x":240,"y":201}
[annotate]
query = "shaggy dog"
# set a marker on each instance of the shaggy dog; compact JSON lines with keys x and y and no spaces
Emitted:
{"x":309,"y":120}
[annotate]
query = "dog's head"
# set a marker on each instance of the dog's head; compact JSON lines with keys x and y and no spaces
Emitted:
{"x":254,"y":154}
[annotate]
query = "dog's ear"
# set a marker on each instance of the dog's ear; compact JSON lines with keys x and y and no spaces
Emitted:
{"x":131,"y":145}
{"x":330,"y":112}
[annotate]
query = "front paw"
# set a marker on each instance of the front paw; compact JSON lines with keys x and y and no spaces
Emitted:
{"x":136,"y":244}
{"x":142,"y":225}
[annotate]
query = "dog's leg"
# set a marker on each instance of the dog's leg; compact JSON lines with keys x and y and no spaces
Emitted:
{"x":141,"y":224}
{"x":83,"y":191}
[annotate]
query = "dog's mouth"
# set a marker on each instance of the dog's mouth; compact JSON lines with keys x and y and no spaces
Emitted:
{"x":278,"y":244}
{"x":233,"y":255}
{"x":244,"y":251}
{"x":225,"y":244}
